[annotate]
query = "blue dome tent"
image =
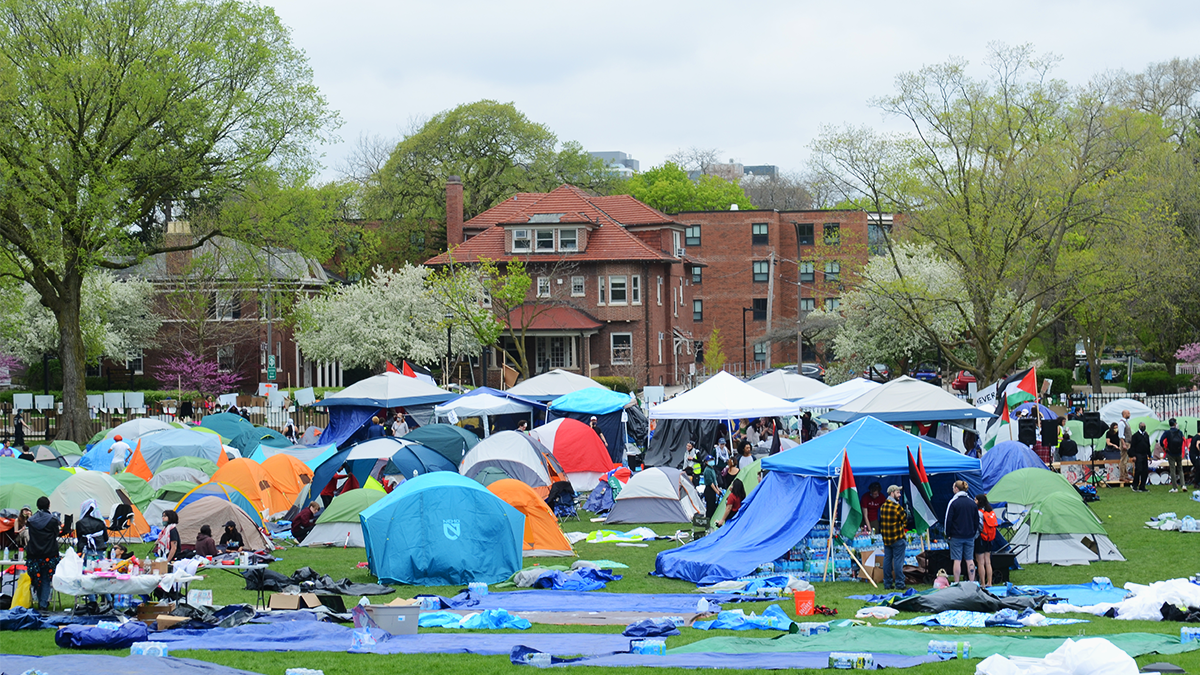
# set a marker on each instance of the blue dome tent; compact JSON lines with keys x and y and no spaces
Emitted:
{"x":1001,"y":460}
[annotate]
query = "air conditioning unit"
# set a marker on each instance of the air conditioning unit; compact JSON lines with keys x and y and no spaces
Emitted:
{"x":679,"y":252}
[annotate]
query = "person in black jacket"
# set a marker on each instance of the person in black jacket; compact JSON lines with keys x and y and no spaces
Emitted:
{"x":91,"y":534}
{"x":42,"y":554}
{"x":231,"y":538}
{"x":962,"y":526}
{"x":1139,"y":449}
{"x":1173,"y":443}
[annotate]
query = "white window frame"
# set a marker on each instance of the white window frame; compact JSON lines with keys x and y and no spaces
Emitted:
{"x":137,"y":364}
{"x":601,"y":291}
{"x":613,"y":281}
{"x":755,"y":273}
{"x":833,"y":270}
{"x":635,"y":289}
{"x":660,"y":285}
{"x":698,"y":308}
{"x":616,"y":360}
{"x":562,"y":244}
{"x":833,"y":304}
{"x":543,"y":287}
{"x":808,"y":304}
{"x":807,"y":267}
{"x":538,"y":239}
{"x":485,"y":300}
{"x":522,"y":235}
{"x":760,"y":351}
{"x":578,"y":287}
{"x":225,"y":305}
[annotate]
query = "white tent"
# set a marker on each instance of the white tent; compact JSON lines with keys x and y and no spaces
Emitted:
{"x":177,"y":473}
{"x":907,"y":400}
{"x":838,"y":395}
{"x":387,"y":390}
{"x":552,"y":385}
{"x":136,"y":428}
{"x":483,"y":405}
{"x":723,"y":397}
{"x":657,"y":495}
{"x":377,"y":448}
{"x":1112,"y":412}
{"x":518,"y":455}
{"x":788,"y":385}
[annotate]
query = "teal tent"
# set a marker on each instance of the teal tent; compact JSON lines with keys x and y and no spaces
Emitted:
{"x":249,"y":439}
{"x":442,"y":529}
{"x":226,"y":424}
{"x":450,"y":441}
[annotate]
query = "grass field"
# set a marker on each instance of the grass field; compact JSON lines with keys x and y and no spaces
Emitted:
{"x":1151,"y":555}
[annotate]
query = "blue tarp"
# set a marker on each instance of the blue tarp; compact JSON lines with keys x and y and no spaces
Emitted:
{"x":1001,"y":460}
{"x":671,"y":604}
{"x":781,"y":511}
{"x":663,"y":627}
{"x":98,"y":458}
{"x":593,"y":401}
{"x":90,"y":664}
{"x":600,"y":500}
{"x":772,"y":618}
{"x":95,"y":637}
{"x":489,"y":619}
{"x":1079,"y":595}
{"x":875,"y":449}
{"x":585,"y":579}
{"x":760,"y":661}
{"x":345,"y":422}
{"x":442,"y":529}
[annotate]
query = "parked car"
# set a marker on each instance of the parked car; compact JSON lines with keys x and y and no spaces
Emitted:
{"x":927,"y":372}
{"x":814,"y":370}
{"x":961,"y":380}
{"x":878,"y":372}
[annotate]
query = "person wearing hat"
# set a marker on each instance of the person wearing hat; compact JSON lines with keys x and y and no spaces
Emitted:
{"x":893,"y":521}
{"x":231,"y":539}
{"x":120,"y":453}
{"x":594,"y":424}
{"x":712,"y":491}
{"x":722,"y":450}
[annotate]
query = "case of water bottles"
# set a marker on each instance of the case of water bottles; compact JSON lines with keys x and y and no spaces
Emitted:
{"x":851,"y":661}
{"x":949,"y":649}
{"x":1189,"y":634}
{"x":303,"y":671}
{"x":811,"y":628}
{"x":477,"y":588}
{"x":656,"y":646}
{"x":149,"y":649}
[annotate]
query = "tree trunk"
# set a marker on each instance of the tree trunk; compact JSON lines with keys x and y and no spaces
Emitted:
{"x":74,"y":423}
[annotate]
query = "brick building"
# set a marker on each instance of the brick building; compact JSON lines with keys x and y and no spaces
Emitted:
{"x":611,"y":292}
{"x":771,"y":266}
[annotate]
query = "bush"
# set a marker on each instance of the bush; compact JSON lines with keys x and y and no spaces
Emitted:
{"x":1154,"y":382}
{"x":1149,"y":367}
{"x":1063,"y":378}
{"x":627,"y":385}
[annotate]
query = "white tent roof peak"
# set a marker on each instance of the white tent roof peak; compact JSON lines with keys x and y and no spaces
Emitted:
{"x":1112,"y":412}
{"x":905,"y":399}
{"x":788,"y":385}
{"x":387,"y":390}
{"x":553,"y":384}
{"x":722,"y":397}
{"x":840,"y":394}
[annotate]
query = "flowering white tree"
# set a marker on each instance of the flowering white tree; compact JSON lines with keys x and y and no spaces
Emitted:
{"x":391,"y":316}
{"x":116,"y":318}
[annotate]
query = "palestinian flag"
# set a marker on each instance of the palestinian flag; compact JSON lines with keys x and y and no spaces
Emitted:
{"x":1012,"y":391}
{"x":852,"y":515}
{"x":1021,"y":388}
{"x":919,"y":493}
{"x":391,"y":368}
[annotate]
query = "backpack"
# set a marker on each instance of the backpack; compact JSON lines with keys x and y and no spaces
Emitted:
{"x":1173,"y":441}
{"x":989,"y":525}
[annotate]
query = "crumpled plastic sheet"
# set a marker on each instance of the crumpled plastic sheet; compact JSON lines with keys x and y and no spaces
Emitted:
{"x":1090,"y":656}
{"x":1078,"y":594}
{"x":556,"y":601}
{"x":772,"y":618}
{"x":651,"y":628}
{"x":751,"y":586}
{"x":699,"y":660}
{"x":876,"y":613}
{"x":605,"y":536}
{"x":488,"y":619}
{"x":90,"y":664}
{"x":886,"y":597}
{"x":599,"y":564}
{"x":94,"y":637}
{"x":582,"y":579}
{"x":957,"y":618}
{"x":22,"y":618}
{"x":1145,"y":604}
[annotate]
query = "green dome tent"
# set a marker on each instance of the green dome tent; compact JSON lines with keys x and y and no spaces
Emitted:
{"x":338,"y":524}
{"x":44,"y":478}
{"x":174,"y":491}
{"x":139,"y":491}
{"x":66,"y":448}
{"x":1062,"y":530}
{"x":16,"y":496}
{"x":199,"y":463}
{"x":1028,"y":486}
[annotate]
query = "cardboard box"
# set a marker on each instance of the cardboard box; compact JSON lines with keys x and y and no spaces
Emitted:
{"x":148,"y":612}
{"x":873,"y":562}
{"x":165,"y":621}
{"x":395,"y":619}
{"x":160,"y":567}
{"x":286,"y":601}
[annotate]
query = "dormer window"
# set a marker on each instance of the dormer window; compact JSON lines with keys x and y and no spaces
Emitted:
{"x":545,"y":240}
{"x":568,"y":240}
{"x":521,"y":242}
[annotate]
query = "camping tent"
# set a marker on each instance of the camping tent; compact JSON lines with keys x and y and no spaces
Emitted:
{"x":228,"y":493}
{"x":161,"y":446}
{"x":178,"y":473}
{"x":550,"y":385}
{"x":312,"y":455}
{"x":788,"y":385}
{"x":66,"y":448}
{"x":668,"y":447}
{"x":1062,"y":530}
{"x":226,"y":424}
{"x":449,"y":440}
{"x":838,"y":395}
{"x":875,"y":449}
{"x":338,"y":524}
{"x":1027,"y":486}
{"x":44,"y":478}
{"x":215,"y":512}
{"x":485,"y":403}
{"x":656,"y":495}
{"x":108,"y":493}
{"x":249,"y":478}
{"x":414,"y":459}
{"x":250,"y":439}
{"x":907,"y":400}
{"x":442,"y":529}
{"x":578,"y":449}
{"x":173,"y":492}
{"x":288,"y":477}
{"x":608,"y":407}
{"x":15,"y":496}
{"x":207,"y":466}
{"x":1004,"y":458}
{"x":136,"y":428}
{"x":139,"y":491}
{"x":353,"y":406}
{"x":519,"y":456}
{"x":49,"y":456}
{"x":542,"y":537}
{"x":723,"y":397}
{"x":1112,"y":412}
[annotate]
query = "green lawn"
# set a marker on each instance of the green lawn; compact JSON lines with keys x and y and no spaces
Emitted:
{"x":1152,"y":556}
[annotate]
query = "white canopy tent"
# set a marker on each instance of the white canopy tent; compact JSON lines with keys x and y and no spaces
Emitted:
{"x":552,"y":384}
{"x":483,"y":405}
{"x":907,"y":400}
{"x":788,"y":385}
{"x":387,"y":390}
{"x":838,"y":395}
{"x":723,"y":397}
{"x":1112,"y":412}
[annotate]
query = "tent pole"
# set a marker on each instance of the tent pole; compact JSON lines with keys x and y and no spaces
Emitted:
{"x":832,"y":524}
{"x":860,"y":565}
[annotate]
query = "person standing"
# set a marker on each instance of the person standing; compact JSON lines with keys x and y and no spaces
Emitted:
{"x":962,"y":525}
{"x":119,"y":451}
{"x":18,"y":429}
{"x":290,"y":432}
{"x":42,"y":554}
{"x":1126,"y":430}
{"x":893,"y":519}
{"x":167,"y":546}
{"x":594,"y":423}
{"x":745,"y":456}
{"x":1195,"y":457}
{"x":374,"y":429}
{"x":712,"y":492}
{"x":1139,"y":449}
{"x":871,"y":504}
{"x":400,"y":426}
{"x":1173,"y":443}
{"x":987,"y":537}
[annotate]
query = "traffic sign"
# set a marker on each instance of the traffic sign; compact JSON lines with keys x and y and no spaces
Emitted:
{"x":271,"y":373}
{"x":270,"y":360}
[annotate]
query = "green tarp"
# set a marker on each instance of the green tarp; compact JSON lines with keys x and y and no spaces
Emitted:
{"x":914,"y":643}
{"x":44,"y":478}
{"x":1030,"y":486}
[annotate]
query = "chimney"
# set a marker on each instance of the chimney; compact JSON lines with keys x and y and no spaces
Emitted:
{"x":454,"y":212}
{"x":179,"y":233}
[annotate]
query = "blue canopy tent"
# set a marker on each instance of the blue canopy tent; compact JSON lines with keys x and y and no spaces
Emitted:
{"x":1001,"y":460}
{"x":500,"y":409}
{"x":795,"y":495}
{"x":350,"y":408}
{"x":442,"y":529}
{"x":449,"y":440}
{"x":606,"y":405}
{"x":1047,"y":414}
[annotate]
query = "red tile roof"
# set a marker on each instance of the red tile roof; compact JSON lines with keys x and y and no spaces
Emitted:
{"x":552,"y":317}
{"x":607,"y":241}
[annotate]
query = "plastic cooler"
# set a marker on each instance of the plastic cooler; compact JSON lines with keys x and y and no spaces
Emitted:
{"x":395,"y":619}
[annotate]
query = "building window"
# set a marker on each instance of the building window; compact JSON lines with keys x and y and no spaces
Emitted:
{"x":677,"y":239}
{"x":545,"y":240}
{"x":603,"y":295}
{"x":697,"y":276}
{"x":486,"y":299}
{"x":877,"y":235}
{"x":226,"y":306}
{"x":758,"y":234}
{"x":622,"y":349}
{"x":136,"y":364}
{"x":635,"y":290}
{"x":697,"y":310}
{"x":555,"y":352}
{"x":691,"y":235}
{"x":832,"y":304}
{"x":806,"y":270}
{"x":568,"y":240}
{"x":659,"y":291}
{"x":760,"y":351}
{"x":521,"y":243}
{"x":833,"y":234}
{"x":833,"y":270}
{"x":808,"y":305}
{"x":761,"y":271}
{"x":543,"y":287}
{"x":578,"y":287}
{"x":804,"y":234}
{"x":225,"y":359}
{"x":760,"y":309}
{"x":617,"y":291}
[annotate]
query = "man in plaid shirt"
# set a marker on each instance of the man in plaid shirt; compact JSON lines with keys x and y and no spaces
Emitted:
{"x":892,"y":526}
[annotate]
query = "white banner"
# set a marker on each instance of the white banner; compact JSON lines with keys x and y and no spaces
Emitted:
{"x":987,"y":395}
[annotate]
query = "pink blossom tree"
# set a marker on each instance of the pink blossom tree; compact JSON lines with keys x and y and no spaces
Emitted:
{"x":189,"y":372}
{"x":1190,"y":354}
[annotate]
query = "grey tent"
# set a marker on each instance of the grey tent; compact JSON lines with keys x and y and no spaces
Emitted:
{"x":656,"y":495}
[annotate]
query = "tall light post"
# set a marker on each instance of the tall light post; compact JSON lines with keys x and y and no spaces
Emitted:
{"x":449,"y":316}
{"x":744,"y":310}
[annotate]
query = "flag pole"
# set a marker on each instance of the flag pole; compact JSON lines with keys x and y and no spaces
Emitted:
{"x":854,"y":557}
{"x":833,"y":523}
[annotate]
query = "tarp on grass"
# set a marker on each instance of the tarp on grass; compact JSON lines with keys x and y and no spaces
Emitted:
{"x":90,"y":664}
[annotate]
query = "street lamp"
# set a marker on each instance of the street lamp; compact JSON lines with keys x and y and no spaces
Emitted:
{"x":449,"y":316}
{"x":744,"y":310}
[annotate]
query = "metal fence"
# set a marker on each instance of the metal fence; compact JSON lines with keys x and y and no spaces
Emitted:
{"x":1165,"y":406}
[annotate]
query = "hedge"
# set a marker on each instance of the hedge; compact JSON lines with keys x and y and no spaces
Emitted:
{"x":1158,"y":382}
{"x":1062,"y":377}
{"x":152,"y":396}
{"x":627,"y":385}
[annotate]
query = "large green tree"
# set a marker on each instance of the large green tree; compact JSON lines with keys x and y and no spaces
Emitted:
{"x":115,"y":114}
{"x":668,"y":189}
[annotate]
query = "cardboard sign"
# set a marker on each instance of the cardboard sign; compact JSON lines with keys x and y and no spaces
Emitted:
{"x":226,"y":400}
{"x":305,"y":396}
{"x":200,"y":598}
{"x":43,"y":402}
{"x":286,"y":601}
{"x":22,"y":401}
{"x":114,"y":400}
{"x":135,"y":400}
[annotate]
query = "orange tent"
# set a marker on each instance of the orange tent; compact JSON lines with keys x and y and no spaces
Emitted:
{"x":137,"y":464}
{"x":251,"y":480}
{"x":288,"y":477}
{"x":542,"y":535}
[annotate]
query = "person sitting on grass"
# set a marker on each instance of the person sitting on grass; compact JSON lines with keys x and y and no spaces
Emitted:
{"x":205,"y":546}
{"x":304,"y":521}
{"x":231,"y":538}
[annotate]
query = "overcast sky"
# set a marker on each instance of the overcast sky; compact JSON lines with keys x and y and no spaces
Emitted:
{"x":755,"y":80}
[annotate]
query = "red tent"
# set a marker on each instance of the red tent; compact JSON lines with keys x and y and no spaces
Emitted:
{"x":582,"y":454}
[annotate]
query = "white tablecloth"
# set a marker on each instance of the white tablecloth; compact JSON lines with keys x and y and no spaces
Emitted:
{"x":70,"y":579}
